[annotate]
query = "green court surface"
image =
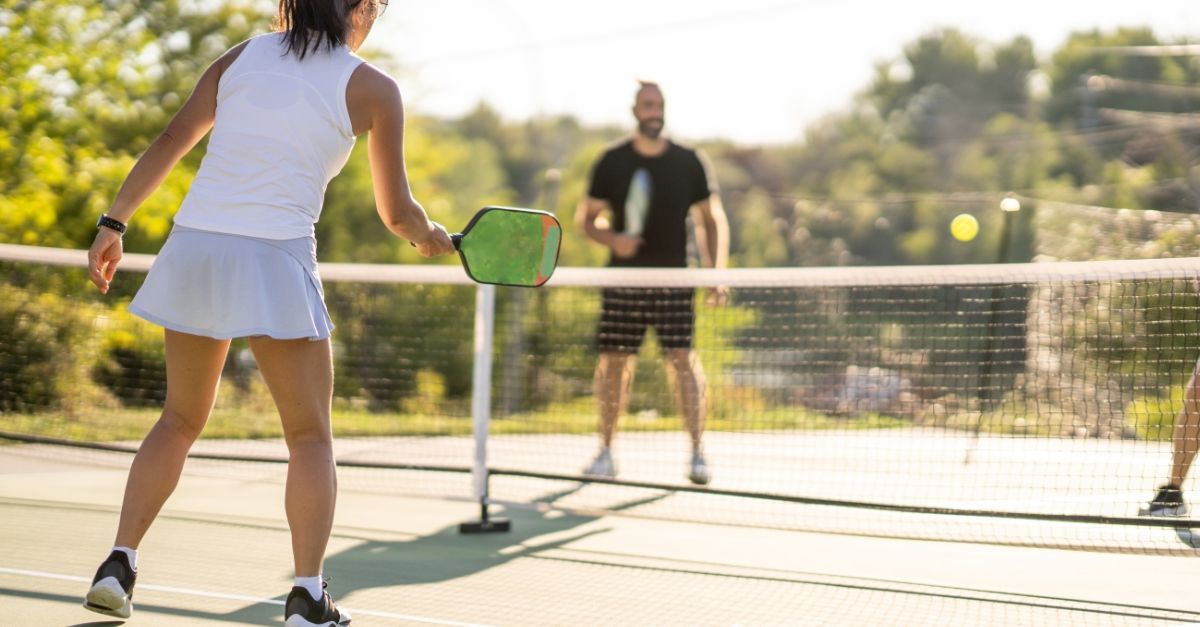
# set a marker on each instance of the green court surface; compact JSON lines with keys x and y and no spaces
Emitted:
{"x":219,"y":554}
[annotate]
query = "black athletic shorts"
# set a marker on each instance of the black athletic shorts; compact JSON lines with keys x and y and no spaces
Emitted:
{"x":626,"y":313}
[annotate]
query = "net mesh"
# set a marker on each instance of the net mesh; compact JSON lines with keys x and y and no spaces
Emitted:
{"x":1070,"y":231}
{"x":1030,"y":404}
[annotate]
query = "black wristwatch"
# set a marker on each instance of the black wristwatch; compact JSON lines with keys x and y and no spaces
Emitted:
{"x":108,"y":222}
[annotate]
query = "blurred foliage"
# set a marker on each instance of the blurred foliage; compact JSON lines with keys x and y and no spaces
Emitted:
{"x":38,"y":328}
{"x":948,"y":126}
{"x":86,"y":87}
{"x":1153,"y":417}
{"x":132,"y":363}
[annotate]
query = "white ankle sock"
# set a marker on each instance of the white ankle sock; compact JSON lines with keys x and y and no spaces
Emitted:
{"x":313,"y":585}
{"x":130,"y":553}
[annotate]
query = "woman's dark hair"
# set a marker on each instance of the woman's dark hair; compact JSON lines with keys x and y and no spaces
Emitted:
{"x":310,"y":24}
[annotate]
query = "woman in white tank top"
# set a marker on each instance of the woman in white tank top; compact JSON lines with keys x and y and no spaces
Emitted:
{"x":284,"y":110}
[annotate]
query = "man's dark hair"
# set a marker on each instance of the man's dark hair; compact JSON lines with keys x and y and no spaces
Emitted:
{"x":643,"y":85}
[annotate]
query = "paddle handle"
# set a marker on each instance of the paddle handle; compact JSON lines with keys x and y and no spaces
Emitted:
{"x":456,"y":238}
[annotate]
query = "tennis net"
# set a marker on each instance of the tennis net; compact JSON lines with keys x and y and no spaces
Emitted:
{"x":1027,"y":404}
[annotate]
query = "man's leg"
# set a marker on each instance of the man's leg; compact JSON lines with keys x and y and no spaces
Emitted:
{"x":618,"y":337}
{"x":614,"y":373}
{"x":675,"y":322}
{"x":688,"y":376}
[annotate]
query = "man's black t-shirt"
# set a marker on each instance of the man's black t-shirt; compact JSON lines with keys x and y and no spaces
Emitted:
{"x":672,"y":182}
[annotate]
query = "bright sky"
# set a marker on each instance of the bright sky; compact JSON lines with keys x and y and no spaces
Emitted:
{"x":753,"y":70}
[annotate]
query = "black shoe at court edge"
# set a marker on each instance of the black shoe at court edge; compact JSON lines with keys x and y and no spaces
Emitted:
{"x":301,"y":610}
{"x":1167,"y":502}
{"x":112,"y":588}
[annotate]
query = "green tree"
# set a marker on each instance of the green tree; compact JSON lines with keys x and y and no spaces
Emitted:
{"x":86,"y":88}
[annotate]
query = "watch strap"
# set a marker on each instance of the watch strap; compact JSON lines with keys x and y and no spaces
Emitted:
{"x":111,"y":223}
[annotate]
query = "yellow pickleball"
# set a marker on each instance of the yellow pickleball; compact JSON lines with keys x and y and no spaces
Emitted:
{"x":964,"y":227}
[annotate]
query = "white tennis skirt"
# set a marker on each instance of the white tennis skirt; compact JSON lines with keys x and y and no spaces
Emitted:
{"x":225,"y":286}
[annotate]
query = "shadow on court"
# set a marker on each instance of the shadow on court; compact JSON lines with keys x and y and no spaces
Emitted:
{"x":446,"y":555}
{"x":255,"y":614}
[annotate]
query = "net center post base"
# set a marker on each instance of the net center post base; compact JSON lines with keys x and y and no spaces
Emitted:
{"x":494,"y":525}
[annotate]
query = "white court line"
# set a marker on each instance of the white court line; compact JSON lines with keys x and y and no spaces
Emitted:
{"x":235,"y":597}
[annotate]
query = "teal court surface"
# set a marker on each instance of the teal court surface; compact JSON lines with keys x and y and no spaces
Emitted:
{"x":220,"y":555}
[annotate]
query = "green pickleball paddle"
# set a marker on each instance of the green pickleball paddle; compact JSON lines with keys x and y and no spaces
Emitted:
{"x":510,"y":246}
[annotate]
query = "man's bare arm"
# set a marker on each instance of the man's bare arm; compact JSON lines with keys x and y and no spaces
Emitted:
{"x":712,"y":232}
{"x":621,"y":244}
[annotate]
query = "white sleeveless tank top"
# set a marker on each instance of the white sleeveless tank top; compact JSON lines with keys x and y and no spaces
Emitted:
{"x":282,"y":132}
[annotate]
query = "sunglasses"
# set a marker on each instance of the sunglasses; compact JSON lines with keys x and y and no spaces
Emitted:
{"x":382,"y":4}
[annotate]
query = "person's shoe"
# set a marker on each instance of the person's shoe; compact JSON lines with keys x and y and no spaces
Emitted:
{"x":1168,"y":502}
{"x":698,"y":472}
{"x":300,"y":610}
{"x":602,"y":467}
{"x":112,"y":587}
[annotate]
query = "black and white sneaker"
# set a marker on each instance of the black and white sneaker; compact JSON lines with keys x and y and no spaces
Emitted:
{"x":1168,"y":502}
{"x":301,"y":610}
{"x":112,"y":588}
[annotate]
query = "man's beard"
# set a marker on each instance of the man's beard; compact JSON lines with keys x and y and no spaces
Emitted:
{"x":651,"y":128}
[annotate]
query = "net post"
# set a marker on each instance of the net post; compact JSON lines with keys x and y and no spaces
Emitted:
{"x":481,"y":405}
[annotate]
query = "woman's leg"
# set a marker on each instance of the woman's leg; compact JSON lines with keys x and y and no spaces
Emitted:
{"x":1186,"y":438}
{"x":193,"y":371}
{"x":299,"y":374}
